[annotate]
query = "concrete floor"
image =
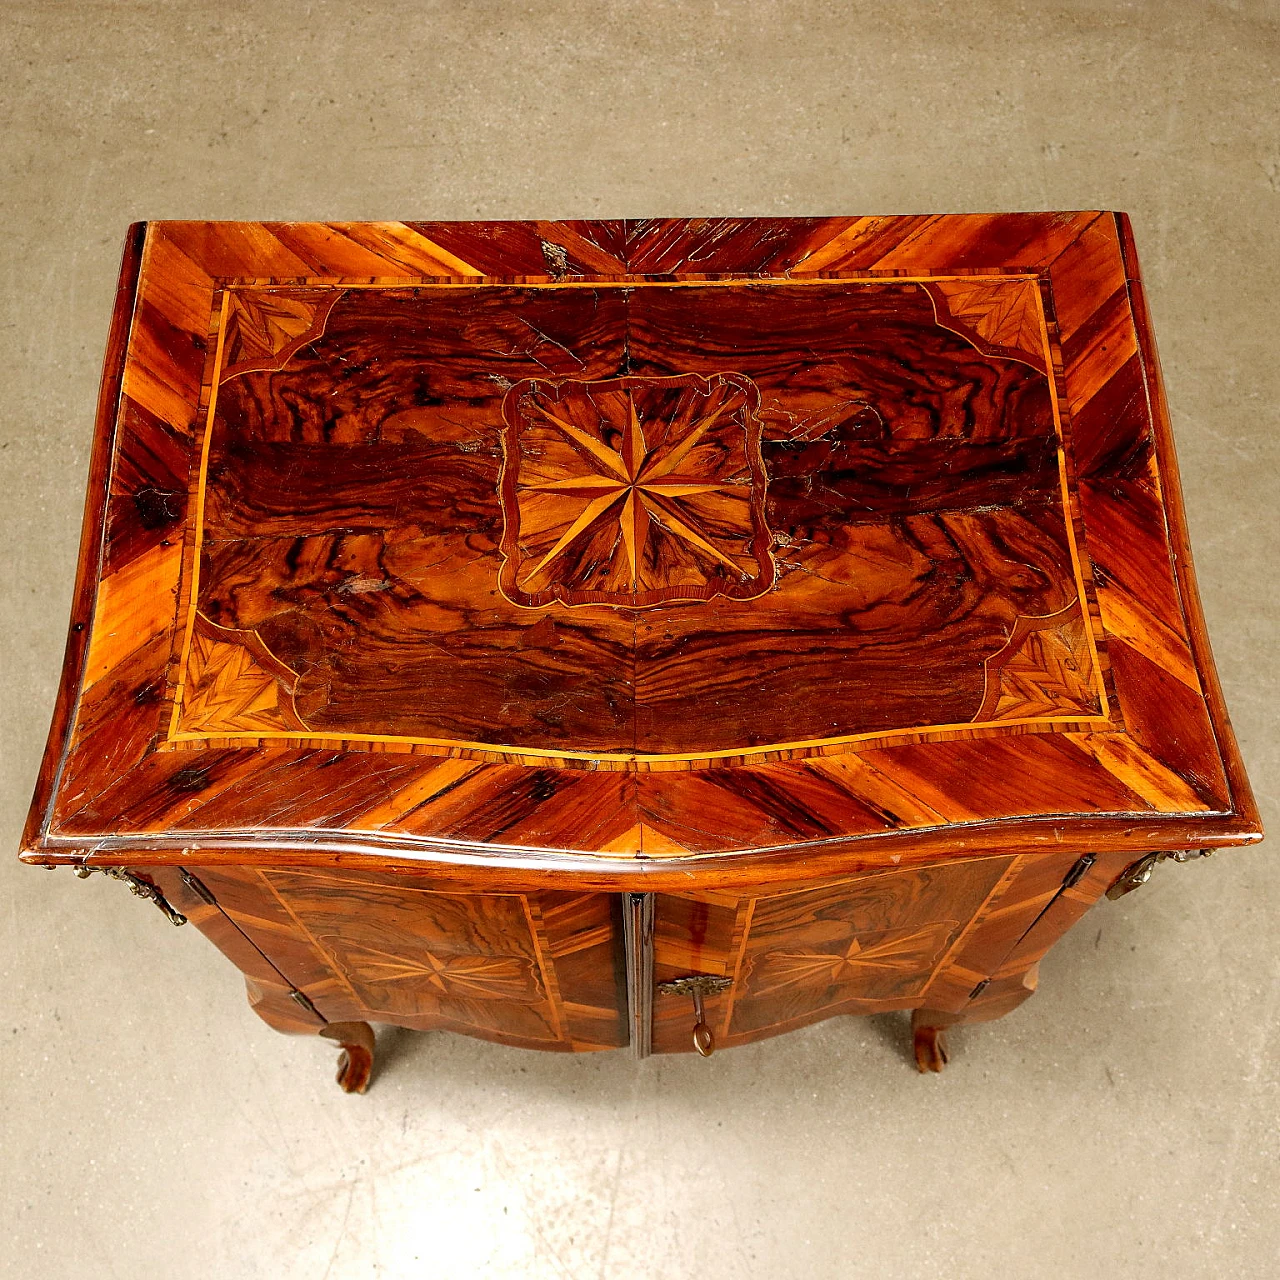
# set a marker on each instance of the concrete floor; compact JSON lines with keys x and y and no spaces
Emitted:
{"x":1123,"y":1123}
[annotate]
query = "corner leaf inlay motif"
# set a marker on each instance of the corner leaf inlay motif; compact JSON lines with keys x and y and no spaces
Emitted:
{"x":234,"y":684}
{"x":263,"y":328}
{"x":1003,"y":316}
{"x":1045,"y":669}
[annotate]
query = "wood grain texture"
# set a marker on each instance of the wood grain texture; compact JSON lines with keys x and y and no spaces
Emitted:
{"x":863,"y":946}
{"x":91,"y":539}
{"x":956,"y":558}
{"x":826,"y":578}
{"x":532,"y":970}
{"x":360,"y":546}
{"x":297,"y":567}
{"x":269,"y":990}
{"x":958,"y":941}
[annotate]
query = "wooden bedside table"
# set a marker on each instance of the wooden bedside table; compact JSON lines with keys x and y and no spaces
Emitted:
{"x":572,"y":633}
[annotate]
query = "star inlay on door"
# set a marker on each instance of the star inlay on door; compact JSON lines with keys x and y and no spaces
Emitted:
{"x":449,"y":975}
{"x":894,"y":955}
{"x":633,"y":491}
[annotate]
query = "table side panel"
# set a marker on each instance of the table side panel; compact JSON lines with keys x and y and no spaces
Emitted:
{"x":270,"y":992}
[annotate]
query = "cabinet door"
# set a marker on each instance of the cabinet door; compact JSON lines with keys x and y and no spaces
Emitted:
{"x":538,"y":970}
{"x":863,"y":945}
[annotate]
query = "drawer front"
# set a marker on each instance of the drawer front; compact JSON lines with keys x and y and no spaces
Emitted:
{"x":864,"y":945}
{"x":537,"y":970}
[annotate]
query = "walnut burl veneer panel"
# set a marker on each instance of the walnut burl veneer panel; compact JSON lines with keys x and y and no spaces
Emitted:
{"x":632,"y":554}
{"x":405,"y":554}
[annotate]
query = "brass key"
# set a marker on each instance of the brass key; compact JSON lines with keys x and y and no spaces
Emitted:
{"x":698,"y":985}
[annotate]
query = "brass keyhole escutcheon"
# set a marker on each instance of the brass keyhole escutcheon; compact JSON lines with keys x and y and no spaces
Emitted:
{"x":698,"y":985}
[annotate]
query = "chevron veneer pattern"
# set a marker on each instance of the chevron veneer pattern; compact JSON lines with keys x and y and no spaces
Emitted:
{"x":498,"y":627}
{"x":958,"y":571}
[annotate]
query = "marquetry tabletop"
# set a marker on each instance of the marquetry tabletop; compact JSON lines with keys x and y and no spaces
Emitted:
{"x":617,"y":548}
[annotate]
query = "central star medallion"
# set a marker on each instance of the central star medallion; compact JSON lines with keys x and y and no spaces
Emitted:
{"x":633,"y":490}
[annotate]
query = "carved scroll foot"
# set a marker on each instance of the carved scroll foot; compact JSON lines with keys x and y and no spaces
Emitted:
{"x":928,"y":1041}
{"x":355,"y":1063}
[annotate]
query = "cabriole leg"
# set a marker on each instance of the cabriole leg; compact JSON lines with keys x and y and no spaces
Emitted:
{"x":281,"y":1009}
{"x":998,"y":997}
{"x":927,"y":1040}
{"x":355,"y":1063}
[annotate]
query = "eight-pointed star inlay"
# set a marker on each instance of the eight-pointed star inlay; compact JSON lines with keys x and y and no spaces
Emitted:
{"x":633,"y":490}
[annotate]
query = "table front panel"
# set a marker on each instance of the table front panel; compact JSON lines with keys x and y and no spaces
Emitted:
{"x":539,"y":970}
{"x":858,"y":946}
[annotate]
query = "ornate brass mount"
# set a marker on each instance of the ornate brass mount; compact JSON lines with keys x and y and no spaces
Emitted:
{"x":1136,"y":875}
{"x":140,"y":887}
{"x":698,"y":985}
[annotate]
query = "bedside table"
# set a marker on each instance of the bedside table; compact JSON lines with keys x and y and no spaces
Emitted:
{"x":665,"y":633}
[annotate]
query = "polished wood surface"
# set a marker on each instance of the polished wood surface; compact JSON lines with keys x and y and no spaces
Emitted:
{"x":380,"y":553}
{"x":541,"y":970}
{"x":355,"y":1062}
{"x":957,"y":942}
{"x":819,"y":586}
{"x":914,"y":519}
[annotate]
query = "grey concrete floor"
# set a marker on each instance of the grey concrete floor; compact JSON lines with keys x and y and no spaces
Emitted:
{"x":1123,"y":1123}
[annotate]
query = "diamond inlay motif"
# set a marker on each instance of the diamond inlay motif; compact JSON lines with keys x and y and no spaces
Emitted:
{"x":900,"y":952}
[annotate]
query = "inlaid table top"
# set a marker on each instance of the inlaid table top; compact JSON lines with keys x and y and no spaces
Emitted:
{"x":616,"y":548}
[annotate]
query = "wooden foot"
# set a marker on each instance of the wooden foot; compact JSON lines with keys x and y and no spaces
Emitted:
{"x":994,"y":999}
{"x":355,"y":1063}
{"x":929,"y":1043}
